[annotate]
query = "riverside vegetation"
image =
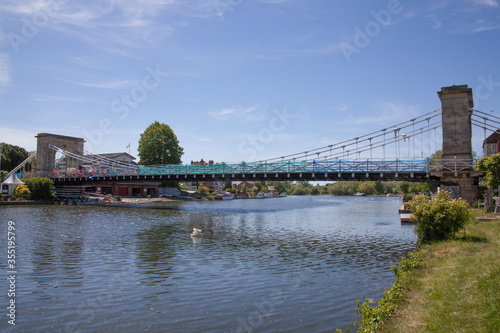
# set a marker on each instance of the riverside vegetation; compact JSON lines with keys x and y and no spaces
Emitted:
{"x":343,"y":188}
{"x":451,"y":283}
{"x":38,"y":188}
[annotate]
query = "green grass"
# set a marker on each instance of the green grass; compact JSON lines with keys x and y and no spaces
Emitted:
{"x":457,"y":289}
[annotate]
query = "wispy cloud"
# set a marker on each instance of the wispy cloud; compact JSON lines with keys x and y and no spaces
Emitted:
{"x":89,"y":62}
{"x":340,"y":107}
{"x":100,"y":23}
{"x":4,"y":72}
{"x":485,"y":27}
{"x":123,"y":84}
{"x":48,"y":98}
{"x":475,"y":15}
{"x":436,"y":24}
{"x":244,"y":113}
{"x":274,"y":1}
{"x":488,"y":3}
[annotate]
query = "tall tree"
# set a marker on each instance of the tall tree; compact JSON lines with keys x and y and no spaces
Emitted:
{"x":379,"y":187}
{"x":12,"y":156}
{"x":490,"y":166}
{"x":159,"y":145}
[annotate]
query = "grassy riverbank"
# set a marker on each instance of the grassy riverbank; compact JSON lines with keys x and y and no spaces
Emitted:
{"x":457,"y":287}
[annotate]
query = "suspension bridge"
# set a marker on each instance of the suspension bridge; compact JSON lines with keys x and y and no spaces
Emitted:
{"x":403,"y":151}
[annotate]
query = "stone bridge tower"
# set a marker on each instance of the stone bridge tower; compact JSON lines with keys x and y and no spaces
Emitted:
{"x":46,"y":157}
{"x":456,"y":105}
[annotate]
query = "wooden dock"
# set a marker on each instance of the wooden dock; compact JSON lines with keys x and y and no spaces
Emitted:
{"x":406,"y":215}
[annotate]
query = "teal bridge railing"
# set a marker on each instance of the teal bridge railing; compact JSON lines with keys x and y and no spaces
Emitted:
{"x":336,"y":166}
{"x":263,"y":170}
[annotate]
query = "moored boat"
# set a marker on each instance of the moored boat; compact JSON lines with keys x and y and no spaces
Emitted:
{"x":224,"y":196}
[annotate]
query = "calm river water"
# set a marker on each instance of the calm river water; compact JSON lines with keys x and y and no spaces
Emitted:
{"x":295,"y":264}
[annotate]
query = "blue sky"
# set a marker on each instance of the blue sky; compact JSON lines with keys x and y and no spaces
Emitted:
{"x":238,"y":79}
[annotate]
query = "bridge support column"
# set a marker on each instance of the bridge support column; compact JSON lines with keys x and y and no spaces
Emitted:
{"x":465,"y":187}
{"x":456,"y":102}
{"x":46,"y":157}
{"x":456,"y":105}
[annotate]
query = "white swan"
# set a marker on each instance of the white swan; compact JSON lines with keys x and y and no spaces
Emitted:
{"x":196,"y":232}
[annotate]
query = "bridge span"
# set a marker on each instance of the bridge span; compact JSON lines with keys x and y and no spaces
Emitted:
{"x":402,"y":152}
{"x":337,"y":170}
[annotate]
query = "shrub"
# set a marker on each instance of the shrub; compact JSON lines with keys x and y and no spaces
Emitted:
{"x":22,"y":191}
{"x":41,"y":188}
{"x":438,"y":219}
{"x":407,"y":198}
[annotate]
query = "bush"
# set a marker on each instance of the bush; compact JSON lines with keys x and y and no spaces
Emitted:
{"x":438,"y":219}
{"x":203,"y":189}
{"x":22,"y":191}
{"x":407,"y":198}
{"x":41,"y":188}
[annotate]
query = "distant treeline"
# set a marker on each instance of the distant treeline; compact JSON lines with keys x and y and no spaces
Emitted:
{"x":353,"y":187}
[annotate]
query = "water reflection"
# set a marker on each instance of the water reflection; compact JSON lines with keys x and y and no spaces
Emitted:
{"x":303,"y":260}
{"x":57,"y":251}
{"x":155,"y":246}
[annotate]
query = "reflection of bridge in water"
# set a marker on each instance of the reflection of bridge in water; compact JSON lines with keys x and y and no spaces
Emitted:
{"x":399,"y":152}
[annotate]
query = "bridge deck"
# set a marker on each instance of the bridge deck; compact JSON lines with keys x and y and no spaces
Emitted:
{"x":351,"y":176}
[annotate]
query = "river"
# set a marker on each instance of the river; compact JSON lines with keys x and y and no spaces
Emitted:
{"x":294,"y":264}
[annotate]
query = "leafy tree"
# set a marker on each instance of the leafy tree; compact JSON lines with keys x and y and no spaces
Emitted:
{"x":259,"y":186}
{"x":379,"y":187}
{"x":228,"y":185}
{"x":170,"y":183}
{"x":422,"y":187}
{"x":490,"y":165}
{"x":159,"y":145}
{"x":12,"y":156}
{"x":366,"y":187}
{"x":243,"y":189}
{"x":255,"y":189}
{"x":281,"y":187}
{"x":306,"y":184}
{"x":301,"y":189}
{"x":41,"y":188}
{"x":344,"y":188}
{"x":203,"y":189}
{"x":438,"y":155}
{"x":404,"y":187}
{"x":316,"y":190}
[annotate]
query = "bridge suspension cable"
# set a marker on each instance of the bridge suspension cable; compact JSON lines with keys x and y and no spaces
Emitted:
{"x":94,"y":160}
{"x":23,"y":164}
{"x":370,"y":141}
{"x":485,"y":121}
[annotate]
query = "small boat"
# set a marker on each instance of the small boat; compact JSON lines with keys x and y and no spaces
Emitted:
{"x":196,"y":233}
{"x":224,"y":196}
{"x":261,"y":195}
{"x":361,"y":194}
